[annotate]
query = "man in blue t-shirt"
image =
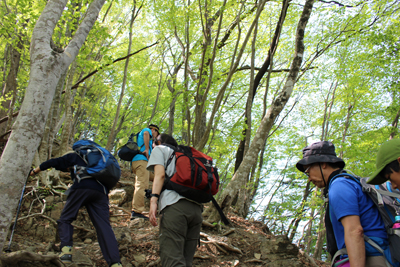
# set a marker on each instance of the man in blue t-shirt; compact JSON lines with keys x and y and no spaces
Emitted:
{"x":139,"y":164}
{"x":350,"y":213}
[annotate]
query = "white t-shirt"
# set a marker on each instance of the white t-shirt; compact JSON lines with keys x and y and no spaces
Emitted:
{"x":160,"y":156}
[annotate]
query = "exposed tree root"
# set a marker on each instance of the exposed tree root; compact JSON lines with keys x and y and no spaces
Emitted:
{"x":13,"y":258}
{"x":254,"y":261}
{"x":311,"y":260}
{"x":119,"y":208}
{"x":40,"y":215}
{"x":125,"y":182}
{"x":207,"y":224}
{"x":228,"y":232}
{"x":215,"y":244}
{"x":82,"y":228}
{"x":154,"y":263}
{"x":219,"y":244}
{"x":202,"y":257}
{"x":55,"y":222}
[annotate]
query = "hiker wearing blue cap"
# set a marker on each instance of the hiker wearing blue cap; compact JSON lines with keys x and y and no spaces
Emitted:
{"x":350,"y":213}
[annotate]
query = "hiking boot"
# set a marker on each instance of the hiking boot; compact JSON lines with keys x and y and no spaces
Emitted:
{"x":118,"y":264}
{"x":66,"y":254}
{"x":138,"y":215}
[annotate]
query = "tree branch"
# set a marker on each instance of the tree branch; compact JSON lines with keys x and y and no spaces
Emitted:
{"x":102,"y":67}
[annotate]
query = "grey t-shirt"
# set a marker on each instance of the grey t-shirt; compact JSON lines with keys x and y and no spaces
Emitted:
{"x":160,"y":156}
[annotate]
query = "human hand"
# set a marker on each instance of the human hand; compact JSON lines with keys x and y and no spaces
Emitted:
{"x":34,"y":172}
{"x":153,"y":211}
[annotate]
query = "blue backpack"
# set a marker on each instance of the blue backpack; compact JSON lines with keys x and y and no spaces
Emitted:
{"x":101,"y":165}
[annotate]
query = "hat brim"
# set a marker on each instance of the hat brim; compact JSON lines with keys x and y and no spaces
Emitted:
{"x":377,"y":178}
{"x":319,"y":158}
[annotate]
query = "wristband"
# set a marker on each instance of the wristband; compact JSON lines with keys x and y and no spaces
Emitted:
{"x":34,"y":171}
{"x":155,"y":195}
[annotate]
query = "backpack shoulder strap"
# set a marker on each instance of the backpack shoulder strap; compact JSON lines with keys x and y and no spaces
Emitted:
{"x":79,"y":154}
{"x":221,"y":213}
{"x":172,"y":155}
{"x":345,"y":175}
{"x":338,"y":253}
{"x":378,"y":248}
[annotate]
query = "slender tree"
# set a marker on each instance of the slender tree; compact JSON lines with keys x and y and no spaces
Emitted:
{"x":239,"y":179}
{"x":47,"y":65}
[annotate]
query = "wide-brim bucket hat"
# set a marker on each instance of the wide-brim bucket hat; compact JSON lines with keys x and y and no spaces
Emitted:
{"x":323,"y":151}
{"x":387,"y":153}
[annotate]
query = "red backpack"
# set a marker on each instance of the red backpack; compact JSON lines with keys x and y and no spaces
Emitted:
{"x":195,"y":177}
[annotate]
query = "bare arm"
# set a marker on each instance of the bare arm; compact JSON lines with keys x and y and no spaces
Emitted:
{"x":146,"y":139}
{"x":159,"y":176}
{"x":354,"y":240}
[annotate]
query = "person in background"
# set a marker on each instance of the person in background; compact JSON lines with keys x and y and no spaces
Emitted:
{"x":387,"y":164}
{"x":92,"y":195}
{"x":139,"y":164}
{"x":350,"y":212}
{"x":181,"y":218}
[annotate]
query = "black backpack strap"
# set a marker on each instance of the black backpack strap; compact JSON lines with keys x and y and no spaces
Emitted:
{"x":221,"y":213}
{"x":330,"y":236}
{"x":172,"y":155}
{"x":131,"y":137}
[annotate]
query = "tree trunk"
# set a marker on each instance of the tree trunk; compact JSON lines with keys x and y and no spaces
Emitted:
{"x":185,"y":108}
{"x":171,"y":83}
{"x":299,"y":215}
{"x":45,"y":71}
{"x":235,"y":63}
{"x":272,"y":196}
{"x":111,"y":137}
{"x":10,"y":87}
{"x":68,"y":100}
{"x":327,"y":111}
{"x":346,"y":128}
{"x":308,"y":239}
{"x":239,"y":178}
{"x":244,"y":143}
{"x":99,"y":121}
{"x":55,"y":120}
{"x":205,"y":74}
{"x":321,"y":235}
{"x":394,"y":125}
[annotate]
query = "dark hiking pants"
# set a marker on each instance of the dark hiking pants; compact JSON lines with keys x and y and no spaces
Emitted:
{"x":179,"y":233}
{"x":96,"y":204}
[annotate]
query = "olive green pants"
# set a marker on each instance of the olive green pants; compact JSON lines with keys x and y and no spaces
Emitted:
{"x":179,"y":233}
{"x":375,"y":261}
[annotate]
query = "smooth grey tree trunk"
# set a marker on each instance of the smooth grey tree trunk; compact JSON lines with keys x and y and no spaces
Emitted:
{"x":46,"y":68}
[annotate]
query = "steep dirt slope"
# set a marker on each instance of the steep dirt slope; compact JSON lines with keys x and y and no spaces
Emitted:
{"x":35,"y":241}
